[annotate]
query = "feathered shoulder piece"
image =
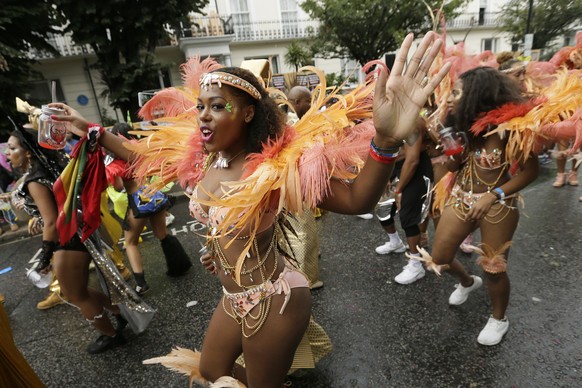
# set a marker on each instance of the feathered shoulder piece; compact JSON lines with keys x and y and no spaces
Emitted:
{"x":556,"y":115}
{"x":296,"y":169}
{"x":503,"y":114}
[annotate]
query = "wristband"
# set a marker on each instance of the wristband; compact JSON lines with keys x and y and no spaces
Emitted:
{"x":383,"y":155}
{"x":390,"y":150}
{"x":500,"y":194}
{"x":94,"y":130}
{"x":386,"y":159}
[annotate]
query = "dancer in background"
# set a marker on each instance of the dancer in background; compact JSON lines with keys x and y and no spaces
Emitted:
{"x":484,"y":194}
{"x":176,"y":258}
{"x":414,"y":177}
{"x":39,"y":168}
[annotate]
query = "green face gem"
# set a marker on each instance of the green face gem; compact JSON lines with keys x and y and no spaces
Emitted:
{"x":228,"y":107}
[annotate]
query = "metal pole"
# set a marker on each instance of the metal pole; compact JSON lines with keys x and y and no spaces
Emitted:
{"x":529,"y":15}
{"x":93,"y":88}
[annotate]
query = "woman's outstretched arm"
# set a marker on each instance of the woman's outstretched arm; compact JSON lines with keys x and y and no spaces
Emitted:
{"x":79,"y":125}
{"x":398,"y":100}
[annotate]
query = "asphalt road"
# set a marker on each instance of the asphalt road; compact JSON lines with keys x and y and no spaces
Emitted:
{"x":384,"y":334}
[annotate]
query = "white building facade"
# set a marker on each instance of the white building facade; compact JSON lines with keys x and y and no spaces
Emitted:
{"x":237,"y":30}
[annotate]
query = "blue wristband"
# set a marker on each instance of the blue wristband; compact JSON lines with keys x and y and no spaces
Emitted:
{"x":500,"y":194}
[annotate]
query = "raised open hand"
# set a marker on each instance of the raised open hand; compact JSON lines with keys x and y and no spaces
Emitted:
{"x":399,"y":98}
{"x":78,"y":123}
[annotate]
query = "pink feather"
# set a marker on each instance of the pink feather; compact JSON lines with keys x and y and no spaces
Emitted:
{"x":190,"y":169}
{"x":566,"y":129}
{"x":169,"y":102}
{"x":270,"y":150}
{"x":194,"y":68}
{"x":319,"y":163}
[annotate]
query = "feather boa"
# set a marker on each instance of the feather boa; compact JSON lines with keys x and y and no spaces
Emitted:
{"x":502,"y":114}
{"x":557,"y":116}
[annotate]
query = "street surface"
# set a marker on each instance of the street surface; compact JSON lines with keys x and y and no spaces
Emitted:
{"x":384,"y":334}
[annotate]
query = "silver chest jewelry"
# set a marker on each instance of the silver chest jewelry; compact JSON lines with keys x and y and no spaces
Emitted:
{"x":222,"y":162}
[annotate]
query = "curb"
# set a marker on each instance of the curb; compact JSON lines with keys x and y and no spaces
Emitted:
{"x":20,"y":234}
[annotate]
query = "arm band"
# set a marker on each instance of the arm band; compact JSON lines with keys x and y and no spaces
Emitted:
{"x":500,"y":194}
{"x":383,"y":155}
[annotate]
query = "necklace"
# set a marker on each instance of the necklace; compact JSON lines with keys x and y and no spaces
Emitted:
{"x":222,"y":162}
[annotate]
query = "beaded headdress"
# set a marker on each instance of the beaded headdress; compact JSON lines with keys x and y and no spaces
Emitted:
{"x":220,"y":78}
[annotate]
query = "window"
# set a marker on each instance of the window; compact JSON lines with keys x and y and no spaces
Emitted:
{"x":241,"y":18}
{"x":490,"y":44}
{"x":481,"y":16}
{"x":289,"y":17}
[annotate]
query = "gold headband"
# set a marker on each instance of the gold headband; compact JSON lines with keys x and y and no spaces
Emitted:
{"x":219,"y":78}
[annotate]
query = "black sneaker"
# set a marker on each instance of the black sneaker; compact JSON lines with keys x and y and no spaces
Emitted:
{"x":105,"y":342}
{"x":141,"y":290}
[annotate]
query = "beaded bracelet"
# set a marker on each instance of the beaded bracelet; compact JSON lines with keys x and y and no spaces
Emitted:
{"x":383,"y":155}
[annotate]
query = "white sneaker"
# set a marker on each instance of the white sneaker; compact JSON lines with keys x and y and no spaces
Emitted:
{"x":460,"y":295}
{"x":411,"y":273}
{"x":169,"y":218}
{"x":366,"y":216}
{"x":389,"y":247}
{"x":493,"y":332}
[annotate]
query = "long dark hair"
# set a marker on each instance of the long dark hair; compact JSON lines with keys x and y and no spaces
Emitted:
{"x":52,"y":162}
{"x":484,"y":89}
{"x":268,"y":120}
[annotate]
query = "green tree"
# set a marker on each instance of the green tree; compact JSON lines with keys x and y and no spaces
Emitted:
{"x":124,"y":35}
{"x":550,"y":19}
{"x":23,"y":27}
{"x":297,"y":55}
{"x":366,"y":29}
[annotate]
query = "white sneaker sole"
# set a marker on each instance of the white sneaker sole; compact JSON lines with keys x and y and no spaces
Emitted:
{"x":412,"y":280}
{"x":481,"y":342}
{"x":398,"y":250}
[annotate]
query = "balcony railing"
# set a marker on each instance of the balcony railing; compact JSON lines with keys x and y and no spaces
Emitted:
{"x":204,"y":26}
{"x":243,"y":32}
{"x":65,"y":45}
{"x":275,"y":30}
{"x":469,"y":20}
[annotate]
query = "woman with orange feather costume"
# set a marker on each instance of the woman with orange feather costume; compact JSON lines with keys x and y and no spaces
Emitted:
{"x":505,"y":132}
{"x":245,"y":168}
